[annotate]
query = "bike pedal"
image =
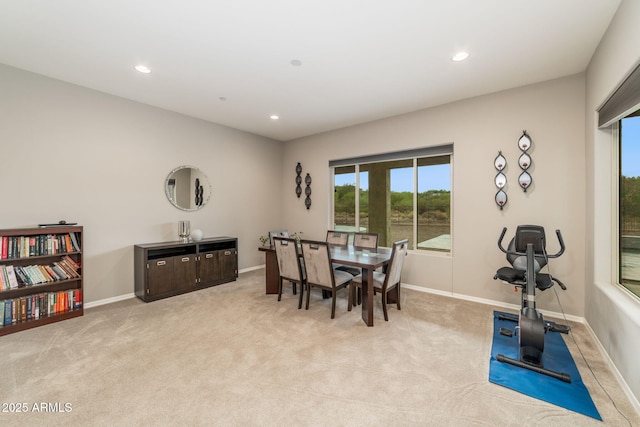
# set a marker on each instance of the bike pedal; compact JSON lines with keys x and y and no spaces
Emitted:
{"x":506,"y":332}
{"x":563,"y":329}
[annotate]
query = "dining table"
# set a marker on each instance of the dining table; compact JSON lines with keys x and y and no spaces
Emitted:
{"x":367,"y":260}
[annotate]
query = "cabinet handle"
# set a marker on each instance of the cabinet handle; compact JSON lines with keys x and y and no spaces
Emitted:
{"x":161,"y":263}
{"x":185,"y":259}
{"x":208,"y":256}
{"x":227,"y":252}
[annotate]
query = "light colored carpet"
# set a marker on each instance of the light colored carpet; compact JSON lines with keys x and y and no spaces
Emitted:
{"x":232,"y":356}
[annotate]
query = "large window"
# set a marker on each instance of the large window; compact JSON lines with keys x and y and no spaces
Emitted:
{"x":397,"y":198}
{"x":629,"y":200}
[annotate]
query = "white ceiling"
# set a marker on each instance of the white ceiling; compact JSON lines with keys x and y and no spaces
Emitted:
{"x":362,"y":60}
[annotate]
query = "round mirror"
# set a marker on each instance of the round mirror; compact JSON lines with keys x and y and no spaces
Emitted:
{"x":187,"y":188}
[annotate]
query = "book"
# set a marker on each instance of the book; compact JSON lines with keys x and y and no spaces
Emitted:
{"x":5,"y":246}
{"x":13,"y":281}
{"x":23,"y":280}
{"x":7,"y":312}
{"x":77,"y":298}
{"x":74,"y":242}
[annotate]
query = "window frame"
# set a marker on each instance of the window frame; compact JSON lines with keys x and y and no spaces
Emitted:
{"x":414,"y":155}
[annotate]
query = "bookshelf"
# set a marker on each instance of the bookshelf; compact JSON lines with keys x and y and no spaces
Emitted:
{"x":40,"y":276}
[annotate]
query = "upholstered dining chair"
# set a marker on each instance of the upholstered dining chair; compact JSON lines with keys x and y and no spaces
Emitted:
{"x":360,"y":241}
{"x":365,"y":240}
{"x":289,"y":263}
{"x":320,"y":273}
{"x":385,"y":282}
{"x":337,"y":237}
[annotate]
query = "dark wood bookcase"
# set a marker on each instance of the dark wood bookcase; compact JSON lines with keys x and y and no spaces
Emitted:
{"x":166,"y":269}
{"x":55,"y":298}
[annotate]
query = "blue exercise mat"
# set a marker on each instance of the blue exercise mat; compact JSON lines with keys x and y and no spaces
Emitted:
{"x":573,"y":396}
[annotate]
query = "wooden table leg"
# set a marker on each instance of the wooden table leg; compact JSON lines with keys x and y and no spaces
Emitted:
{"x":367,"y":296}
{"x":272,"y":273}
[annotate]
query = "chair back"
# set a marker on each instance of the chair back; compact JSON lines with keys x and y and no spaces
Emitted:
{"x":317,"y":261}
{"x":398,"y":254}
{"x":337,"y":237}
{"x":277,"y":233}
{"x":365,"y":240}
{"x":288,"y":257}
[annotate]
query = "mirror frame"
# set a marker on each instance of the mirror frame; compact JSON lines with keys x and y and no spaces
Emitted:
{"x":207,"y":189}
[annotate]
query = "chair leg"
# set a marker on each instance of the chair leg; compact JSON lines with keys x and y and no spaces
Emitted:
{"x":295,"y":287}
{"x":280,"y":289}
{"x":351,"y":288}
{"x":398,"y":296}
{"x":384,"y":307}
{"x":308,"y":293}
{"x":300,"y":298}
{"x":333,"y":304}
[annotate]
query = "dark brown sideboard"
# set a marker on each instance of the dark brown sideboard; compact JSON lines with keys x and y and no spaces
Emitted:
{"x":166,"y":269}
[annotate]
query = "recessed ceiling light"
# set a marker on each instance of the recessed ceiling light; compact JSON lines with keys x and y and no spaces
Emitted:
{"x":143,"y":69}
{"x":296,"y":62}
{"x":274,"y":117}
{"x":460,"y":56}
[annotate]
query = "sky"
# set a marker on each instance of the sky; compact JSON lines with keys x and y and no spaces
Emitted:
{"x":631,"y":147}
{"x":436,"y":177}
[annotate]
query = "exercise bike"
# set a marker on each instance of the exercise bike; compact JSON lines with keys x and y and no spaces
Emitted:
{"x":527,"y":255}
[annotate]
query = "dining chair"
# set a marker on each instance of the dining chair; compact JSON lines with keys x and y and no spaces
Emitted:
{"x":320,"y":273}
{"x":360,"y":241}
{"x":385,"y":282}
{"x":291,"y":269}
{"x":337,"y":237}
{"x":365,"y":240}
{"x":277,"y":233}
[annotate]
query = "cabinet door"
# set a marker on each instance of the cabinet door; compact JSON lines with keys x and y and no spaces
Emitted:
{"x":184,"y":272}
{"x":228,"y":260}
{"x":160,"y":276}
{"x":209,"y":271}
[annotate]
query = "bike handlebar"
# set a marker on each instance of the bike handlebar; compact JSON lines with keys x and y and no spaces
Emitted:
{"x":558,"y":235}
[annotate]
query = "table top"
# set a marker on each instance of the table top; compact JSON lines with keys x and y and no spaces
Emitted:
{"x":353,"y":256}
{"x":358,"y":257}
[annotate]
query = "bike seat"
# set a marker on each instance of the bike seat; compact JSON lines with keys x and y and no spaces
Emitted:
{"x":509,"y":274}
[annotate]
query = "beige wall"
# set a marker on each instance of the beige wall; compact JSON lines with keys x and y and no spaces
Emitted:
{"x":612,"y":313}
{"x":75,"y":154}
{"x":551,"y":112}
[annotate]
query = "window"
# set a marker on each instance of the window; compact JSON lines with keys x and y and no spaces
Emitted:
{"x":629,"y":203}
{"x":398,"y":197}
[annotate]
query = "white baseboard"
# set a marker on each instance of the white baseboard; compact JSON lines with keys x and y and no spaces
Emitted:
{"x":246,"y":270}
{"x":109,"y":300}
{"x":485,"y":301}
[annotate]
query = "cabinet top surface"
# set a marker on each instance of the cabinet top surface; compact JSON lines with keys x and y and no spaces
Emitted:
{"x":177,"y":243}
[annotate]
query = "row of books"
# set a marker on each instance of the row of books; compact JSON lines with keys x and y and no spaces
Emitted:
{"x":41,"y":244}
{"x":34,"y":307}
{"x":15,"y":276}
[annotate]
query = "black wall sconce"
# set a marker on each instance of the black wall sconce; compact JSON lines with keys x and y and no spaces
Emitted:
{"x":307,"y":191}
{"x":298,"y":180}
{"x":500,"y":180}
{"x":524,"y":143}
